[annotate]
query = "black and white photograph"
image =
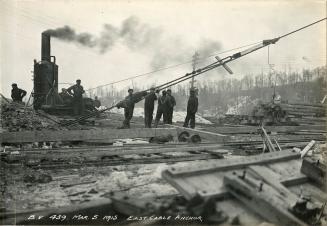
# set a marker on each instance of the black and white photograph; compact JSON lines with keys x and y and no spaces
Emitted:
{"x":163,"y":112}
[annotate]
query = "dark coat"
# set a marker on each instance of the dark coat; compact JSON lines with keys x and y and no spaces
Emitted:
{"x":192,"y":104}
{"x":170,"y":102}
{"x":17,"y":94}
{"x":149,"y":101}
{"x":161,"y":102}
{"x":78,"y":91}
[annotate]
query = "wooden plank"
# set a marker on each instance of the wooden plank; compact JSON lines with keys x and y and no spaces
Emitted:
{"x":315,"y":170}
{"x":82,"y":135}
{"x":230,"y":164}
{"x":254,"y":129}
{"x":262,"y":199}
{"x":123,"y":161}
{"x":192,"y":185}
{"x":111,"y":151}
{"x":209,"y":183}
{"x":271,"y":178}
{"x":221,"y":138}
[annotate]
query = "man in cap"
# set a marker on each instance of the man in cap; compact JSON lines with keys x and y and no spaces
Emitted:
{"x":129,"y":109}
{"x":77,"y":92}
{"x":148,"y":107}
{"x":170,"y":103}
{"x":192,"y":108}
{"x":161,"y":109}
{"x":17,"y":94}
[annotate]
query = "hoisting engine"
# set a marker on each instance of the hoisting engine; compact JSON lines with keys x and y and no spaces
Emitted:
{"x":45,"y":94}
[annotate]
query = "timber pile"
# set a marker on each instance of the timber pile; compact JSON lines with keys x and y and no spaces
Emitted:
{"x":270,"y":185}
{"x":17,"y":117}
{"x":304,"y":109}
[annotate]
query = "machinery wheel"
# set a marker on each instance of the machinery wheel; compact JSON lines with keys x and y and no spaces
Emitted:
{"x":195,"y":138}
{"x":182,"y":137}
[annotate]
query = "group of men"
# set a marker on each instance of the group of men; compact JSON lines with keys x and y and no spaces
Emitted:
{"x":166,"y":103}
{"x":165,"y":109}
{"x":71,"y":96}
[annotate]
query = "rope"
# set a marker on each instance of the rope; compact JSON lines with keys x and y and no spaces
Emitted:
{"x":292,"y":32}
{"x":172,"y":66}
{"x":205,"y":69}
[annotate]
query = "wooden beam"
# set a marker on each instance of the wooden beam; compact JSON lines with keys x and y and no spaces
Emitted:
{"x":254,"y":129}
{"x":98,"y":152}
{"x":262,"y":198}
{"x":221,"y":138}
{"x":206,"y":178}
{"x":315,"y":170}
{"x":231,"y":164}
{"x":83,"y":135}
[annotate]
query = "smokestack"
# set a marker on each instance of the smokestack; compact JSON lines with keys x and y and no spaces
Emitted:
{"x":45,"y":47}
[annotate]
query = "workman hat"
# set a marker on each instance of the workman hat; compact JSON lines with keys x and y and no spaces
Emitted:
{"x":152,"y":88}
{"x":130,"y":89}
{"x":14,"y":84}
{"x":78,"y":80}
{"x":168,"y":90}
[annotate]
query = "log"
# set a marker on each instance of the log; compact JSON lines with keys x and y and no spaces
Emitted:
{"x":83,"y":135}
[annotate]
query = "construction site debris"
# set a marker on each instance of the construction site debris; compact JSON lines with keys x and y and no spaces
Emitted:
{"x":38,"y":178}
{"x":17,"y":117}
{"x":307,"y":148}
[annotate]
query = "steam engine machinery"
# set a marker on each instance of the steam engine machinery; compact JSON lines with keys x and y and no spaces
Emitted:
{"x":45,"y":94}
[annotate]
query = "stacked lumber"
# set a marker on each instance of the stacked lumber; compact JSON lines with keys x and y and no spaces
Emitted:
{"x":268,"y":185}
{"x":304,"y":109}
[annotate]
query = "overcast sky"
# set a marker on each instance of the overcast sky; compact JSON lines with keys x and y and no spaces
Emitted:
{"x":161,"y":34}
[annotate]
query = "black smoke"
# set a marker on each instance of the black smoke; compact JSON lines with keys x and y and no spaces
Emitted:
{"x":139,"y":37}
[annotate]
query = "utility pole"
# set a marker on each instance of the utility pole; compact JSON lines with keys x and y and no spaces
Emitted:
{"x":195,"y":59}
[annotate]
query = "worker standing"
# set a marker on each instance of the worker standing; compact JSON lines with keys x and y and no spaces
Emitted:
{"x":77,"y":92}
{"x":161,"y":109}
{"x":169,"y":105}
{"x":128,"y":109}
{"x":17,"y":94}
{"x":148,"y":107}
{"x":192,"y":108}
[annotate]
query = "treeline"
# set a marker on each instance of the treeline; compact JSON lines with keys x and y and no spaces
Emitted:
{"x":215,"y":96}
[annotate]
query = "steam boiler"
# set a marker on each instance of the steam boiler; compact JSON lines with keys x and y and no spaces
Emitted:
{"x":45,"y":77}
{"x":45,"y":94}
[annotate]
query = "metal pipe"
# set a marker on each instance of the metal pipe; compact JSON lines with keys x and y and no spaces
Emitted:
{"x":45,"y":47}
